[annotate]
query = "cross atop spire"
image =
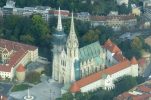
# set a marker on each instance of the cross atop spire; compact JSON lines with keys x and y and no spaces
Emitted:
{"x":59,"y":26}
{"x":72,"y":30}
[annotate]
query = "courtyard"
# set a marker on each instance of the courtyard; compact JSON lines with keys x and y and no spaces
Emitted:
{"x":46,"y":90}
{"x":5,"y":88}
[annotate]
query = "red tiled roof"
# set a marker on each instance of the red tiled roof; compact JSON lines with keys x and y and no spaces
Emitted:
{"x":11,"y":45}
{"x":141,"y":97}
{"x":124,"y":96}
{"x":96,"y":76}
{"x":20,"y":68}
{"x":111,"y":46}
{"x":142,"y":62}
{"x":134,"y":61}
{"x":144,"y":88}
{"x":110,"y":17}
{"x":5,"y":68}
{"x":119,"y":57}
{"x":19,"y":51}
{"x":74,"y":88}
{"x":14,"y":59}
{"x":62,"y":12}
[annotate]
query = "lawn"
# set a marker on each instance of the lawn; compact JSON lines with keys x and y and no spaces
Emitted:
{"x":20,"y":87}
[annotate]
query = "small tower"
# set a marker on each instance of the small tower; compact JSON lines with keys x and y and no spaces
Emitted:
{"x":20,"y":73}
{"x":58,"y":42}
{"x":72,"y":50}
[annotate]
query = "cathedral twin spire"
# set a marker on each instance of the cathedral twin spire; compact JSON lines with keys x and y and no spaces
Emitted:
{"x":72,"y":30}
{"x":72,"y":35}
{"x":59,"y":26}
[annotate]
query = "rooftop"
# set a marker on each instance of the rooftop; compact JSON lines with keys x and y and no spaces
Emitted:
{"x":96,"y":76}
{"x":110,"y":17}
{"x":111,"y":46}
{"x":20,"y":68}
{"x":123,"y":63}
{"x":90,"y":51}
{"x":19,"y":51}
{"x":143,"y":92}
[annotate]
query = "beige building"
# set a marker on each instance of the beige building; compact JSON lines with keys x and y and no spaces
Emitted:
{"x":20,"y":73}
{"x":114,"y":21}
{"x":105,"y":78}
{"x":90,"y":67}
{"x":12,"y":54}
{"x":136,"y":11}
{"x":120,"y":2}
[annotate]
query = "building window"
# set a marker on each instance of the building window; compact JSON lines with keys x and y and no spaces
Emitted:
{"x":88,"y":71}
{"x":95,"y":69}
{"x":70,"y":53}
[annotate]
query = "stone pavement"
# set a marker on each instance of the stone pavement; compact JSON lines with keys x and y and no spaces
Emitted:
{"x":46,"y":90}
{"x":4,"y":88}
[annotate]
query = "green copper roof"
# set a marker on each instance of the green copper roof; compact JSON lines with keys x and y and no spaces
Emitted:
{"x":91,"y":51}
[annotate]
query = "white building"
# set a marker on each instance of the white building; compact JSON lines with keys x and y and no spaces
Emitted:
{"x":85,"y":67}
{"x":9,"y":8}
{"x":146,"y":3}
{"x":12,"y":54}
{"x":116,"y":22}
{"x":105,"y":78}
{"x":120,"y":2}
{"x":67,"y":56}
{"x":84,"y":16}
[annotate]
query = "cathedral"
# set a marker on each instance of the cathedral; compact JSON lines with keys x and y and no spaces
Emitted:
{"x":83,"y":69}
{"x":70,"y":62}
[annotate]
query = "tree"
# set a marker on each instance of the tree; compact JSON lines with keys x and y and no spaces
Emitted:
{"x":33,"y":77}
{"x":140,"y":79}
{"x":123,"y":9}
{"x":136,"y":43}
{"x":40,"y":30}
{"x":90,"y":36}
{"x":79,"y":96}
{"x":105,"y":33}
{"x":27,"y":39}
{"x":2,"y":2}
{"x":67,"y":96}
{"x":124,"y":84}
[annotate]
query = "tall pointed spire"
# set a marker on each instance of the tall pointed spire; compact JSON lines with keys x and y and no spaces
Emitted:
{"x":59,"y":26}
{"x":72,"y":35}
{"x":72,"y":30}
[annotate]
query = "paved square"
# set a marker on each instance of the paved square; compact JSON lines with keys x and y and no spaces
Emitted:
{"x":47,"y":90}
{"x":4,"y":88}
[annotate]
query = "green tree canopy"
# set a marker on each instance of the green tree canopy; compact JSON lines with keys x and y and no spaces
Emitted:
{"x":40,"y":30}
{"x":90,"y":36}
{"x":136,"y":43}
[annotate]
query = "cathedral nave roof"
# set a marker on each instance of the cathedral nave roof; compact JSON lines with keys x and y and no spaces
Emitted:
{"x":91,"y":51}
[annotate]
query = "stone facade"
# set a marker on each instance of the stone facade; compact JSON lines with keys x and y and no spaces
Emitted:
{"x":89,"y":67}
{"x":116,"y":22}
{"x":12,"y":54}
{"x":71,"y":62}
